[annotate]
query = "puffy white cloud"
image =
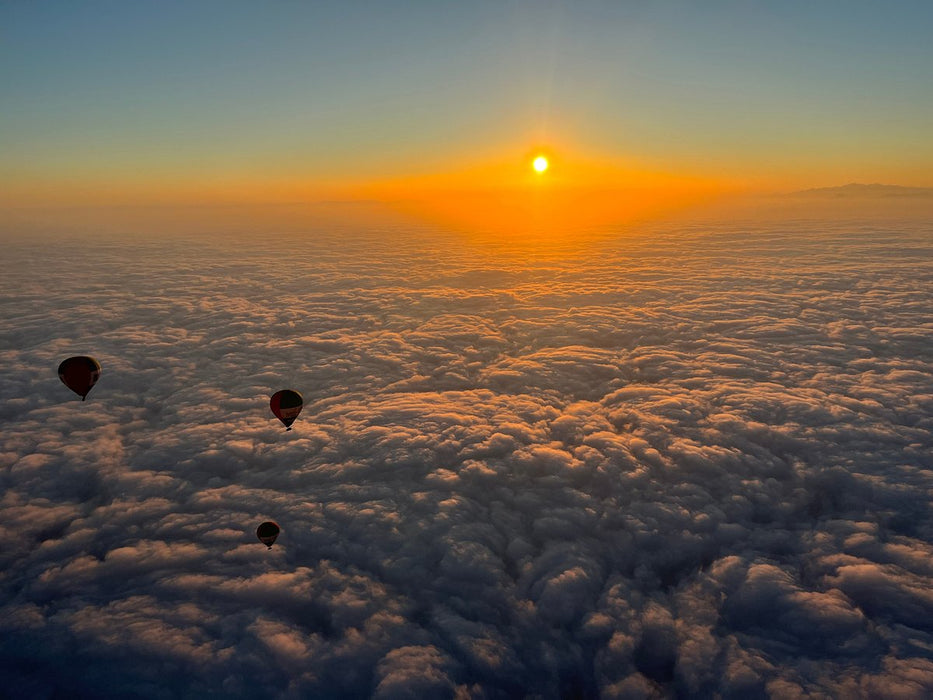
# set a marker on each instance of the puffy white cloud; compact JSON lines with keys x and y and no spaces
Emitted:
{"x":685,"y":462}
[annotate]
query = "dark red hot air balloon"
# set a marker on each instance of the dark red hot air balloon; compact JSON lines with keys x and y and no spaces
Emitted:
{"x":286,"y":405}
{"x":267,"y":532}
{"x":79,"y":374}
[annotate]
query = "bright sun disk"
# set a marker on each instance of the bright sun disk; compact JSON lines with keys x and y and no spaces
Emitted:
{"x":540,"y":164}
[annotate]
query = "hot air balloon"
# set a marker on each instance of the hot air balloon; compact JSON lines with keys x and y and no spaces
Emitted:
{"x":79,"y":374}
{"x":267,"y":532}
{"x":286,"y":405}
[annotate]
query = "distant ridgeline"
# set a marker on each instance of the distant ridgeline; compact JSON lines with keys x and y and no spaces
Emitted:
{"x":873,"y":191}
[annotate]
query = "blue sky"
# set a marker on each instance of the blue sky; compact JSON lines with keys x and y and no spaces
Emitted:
{"x":211,"y":92}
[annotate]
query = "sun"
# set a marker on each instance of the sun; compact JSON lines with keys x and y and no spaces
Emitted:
{"x":540,"y":164}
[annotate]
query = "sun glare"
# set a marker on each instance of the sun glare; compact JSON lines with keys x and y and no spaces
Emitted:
{"x":540,"y":164}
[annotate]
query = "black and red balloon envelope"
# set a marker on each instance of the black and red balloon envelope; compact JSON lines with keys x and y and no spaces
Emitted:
{"x":286,"y":405}
{"x":80,"y":374}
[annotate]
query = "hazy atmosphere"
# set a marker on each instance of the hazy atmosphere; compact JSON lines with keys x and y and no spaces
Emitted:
{"x":593,"y":407}
{"x":109,"y":102}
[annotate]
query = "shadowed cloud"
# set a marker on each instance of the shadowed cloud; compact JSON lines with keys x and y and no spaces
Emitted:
{"x":690,"y":462}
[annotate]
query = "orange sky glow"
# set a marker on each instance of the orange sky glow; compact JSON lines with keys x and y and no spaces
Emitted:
{"x":495,"y":196}
{"x":572,"y":194}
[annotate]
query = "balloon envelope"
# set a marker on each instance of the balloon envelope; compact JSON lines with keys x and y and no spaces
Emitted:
{"x":267,"y":532}
{"x":79,"y":374}
{"x":286,"y":405}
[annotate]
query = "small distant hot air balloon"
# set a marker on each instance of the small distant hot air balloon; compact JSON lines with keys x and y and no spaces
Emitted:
{"x":79,"y":374}
{"x":267,"y":532}
{"x":286,"y":405}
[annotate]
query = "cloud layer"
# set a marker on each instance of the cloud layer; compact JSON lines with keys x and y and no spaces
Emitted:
{"x":693,"y":461}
